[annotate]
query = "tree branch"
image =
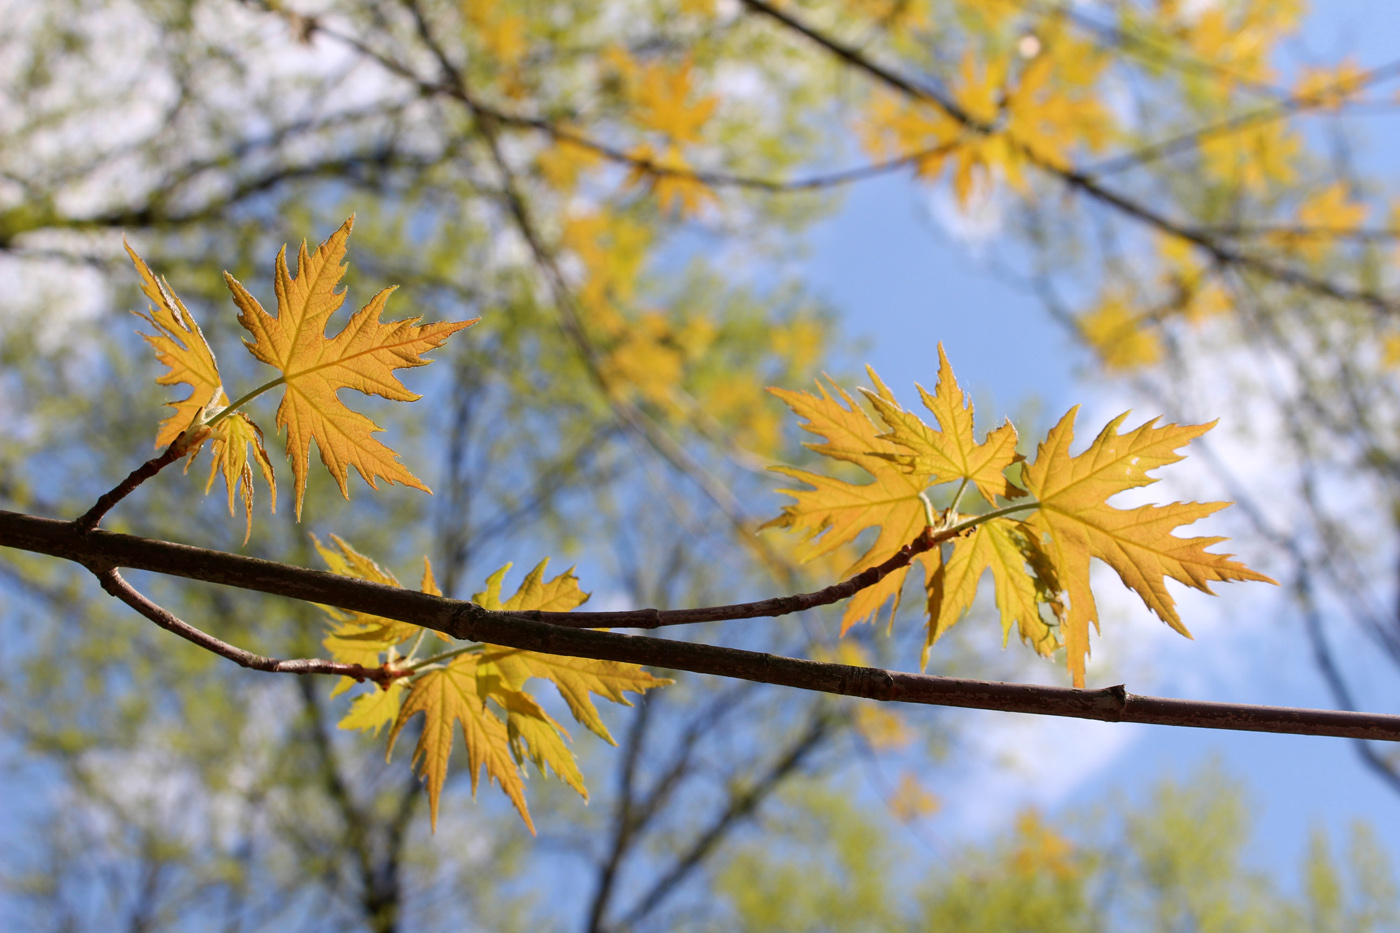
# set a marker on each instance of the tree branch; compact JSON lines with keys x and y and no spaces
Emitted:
{"x":559,"y":133}
{"x":465,"y":620}
{"x":89,"y":519}
{"x":1079,"y":180}
{"x":113,"y":583}
{"x":741,"y":804}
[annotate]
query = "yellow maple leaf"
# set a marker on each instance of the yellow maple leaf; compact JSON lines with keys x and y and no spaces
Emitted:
{"x":833,"y":512}
{"x":950,"y":453}
{"x":454,"y":687}
{"x":1330,"y":87}
{"x":912,"y":801}
{"x":1004,"y":546}
{"x":1055,"y":106}
{"x":230,"y":440}
{"x":447,"y":696}
{"x":458,"y":691}
{"x":1327,"y":215}
{"x":1074,"y":522}
{"x":575,"y":678}
{"x":501,"y":33}
{"x":181,"y":347}
{"x":1253,"y":157}
{"x":1121,"y":336}
{"x":661,"y":95}
{"x":1220,"y":34}
{"x":362,"y":356}
{"x":1040,"y":850}
{"x":895,"y":127}
{"x":1390,"y":351}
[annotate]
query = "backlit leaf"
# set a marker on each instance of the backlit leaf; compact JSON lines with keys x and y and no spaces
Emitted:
{"x":448,"y":696}
{"x":950,"y":453}
{"x":834,"y":512}
{"x":314,"y":367}
{"x":181,"y":347}
{"x":1075,"y":522}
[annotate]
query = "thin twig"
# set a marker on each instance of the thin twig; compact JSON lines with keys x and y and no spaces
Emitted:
{"x":89,"y":519}
{"x":713,"y":179}
{"x":742,"y":803}
{"x":1079,"y":180}
{"x":113,"y":583}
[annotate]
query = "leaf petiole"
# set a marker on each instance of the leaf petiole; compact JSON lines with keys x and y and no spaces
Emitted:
{"x":417,"y":643}
{"x":976,"y":520}
{"x":422,"y":667}
{"x":952,"y":510}
{"x":234,"y":406}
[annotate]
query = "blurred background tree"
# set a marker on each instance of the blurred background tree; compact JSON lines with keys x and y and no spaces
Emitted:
{"x":621,"y":191}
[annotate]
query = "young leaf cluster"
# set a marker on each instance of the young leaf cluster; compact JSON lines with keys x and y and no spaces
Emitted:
{"x":313,"y":367}
{"x":479,"y":687}
{"x":1037,"y":532}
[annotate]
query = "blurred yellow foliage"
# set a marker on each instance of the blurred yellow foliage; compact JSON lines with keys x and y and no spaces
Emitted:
{"x":1118,"y":333}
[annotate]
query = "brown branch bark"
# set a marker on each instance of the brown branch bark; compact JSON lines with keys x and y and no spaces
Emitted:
{"x":113,"y":583}
{"x":469,"y":621}
{"x":89,"y":519}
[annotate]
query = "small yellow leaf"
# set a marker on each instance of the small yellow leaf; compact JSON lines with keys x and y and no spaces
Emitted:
{"x":1121,"y":336}
{"x":1332,"y":87}
{"x":1390,"y":351}
{"x":230,"y":439}
{"x":362,"y":356}
{"x":912,"y":801}
{"x":1328,"y":214}
{"x":180,"y":345}
{"x":373,"y":711}
{"x":448,"y":696}
{"x":662,"y":105}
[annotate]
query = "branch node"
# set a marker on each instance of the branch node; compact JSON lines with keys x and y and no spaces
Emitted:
{"x":871,"y":683}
